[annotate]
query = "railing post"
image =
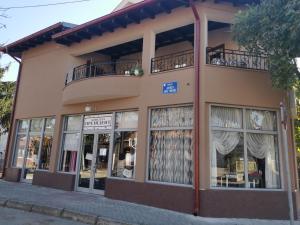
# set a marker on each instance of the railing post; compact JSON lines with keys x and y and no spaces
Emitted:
{"x":66,"y":81}
{"x":151,"y":66}
{"x":73,"y":76}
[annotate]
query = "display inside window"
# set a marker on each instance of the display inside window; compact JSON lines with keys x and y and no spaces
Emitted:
{"x":124,"y":145}
{"x":227,"y":168}
{"x":44,"y":162}
{"x":70,"y":149}
{"x":124,"y":154}
{"x":247,"y":157}
{"x":33,"y":145}
{"x":31,"y":161}
{"x":20,"y":150}
{"x":171,"y":143}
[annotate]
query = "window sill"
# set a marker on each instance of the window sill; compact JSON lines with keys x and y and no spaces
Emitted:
{"x":245,"y":189}
{"x":122,"y":179}
{"x":169,"y":184}
{"x":68,"y":173}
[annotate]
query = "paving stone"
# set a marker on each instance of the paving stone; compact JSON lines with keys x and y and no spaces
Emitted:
{"x":119,"y":211}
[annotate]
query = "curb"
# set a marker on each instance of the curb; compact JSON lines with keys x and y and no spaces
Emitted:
{"x":89,"y":219}
{"x":58,"y":212}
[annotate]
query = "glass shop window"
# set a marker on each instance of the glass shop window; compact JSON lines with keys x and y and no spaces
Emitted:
{"x":70,"y":144}
{"x":124,"y":148}
{"x":171,"y":144}
{"x":244,"y":148}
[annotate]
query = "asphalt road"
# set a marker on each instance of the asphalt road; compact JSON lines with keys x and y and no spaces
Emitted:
{"x":18,"y":217}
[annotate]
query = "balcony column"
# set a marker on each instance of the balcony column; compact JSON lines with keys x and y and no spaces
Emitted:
{"x":148,"y":50}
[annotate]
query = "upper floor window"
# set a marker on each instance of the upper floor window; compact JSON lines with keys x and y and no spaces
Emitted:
{"x":244,"y":148}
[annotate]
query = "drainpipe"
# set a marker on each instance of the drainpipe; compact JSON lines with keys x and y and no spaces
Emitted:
{"x":196,"y":108}
{"x":12,"y":114}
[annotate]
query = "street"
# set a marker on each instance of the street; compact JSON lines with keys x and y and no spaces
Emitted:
{"x":18,"y":217}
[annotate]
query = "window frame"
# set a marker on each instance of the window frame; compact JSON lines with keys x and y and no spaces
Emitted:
{"x":149,"y":129}
{"x":111,"y":132}
{"x":114,"y":130}
{"x":244,"y":131}
{"x":27,"y":134}
{"x":62,"y":141}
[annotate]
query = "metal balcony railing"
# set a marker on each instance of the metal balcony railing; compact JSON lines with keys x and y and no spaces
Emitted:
{"x":172,"y":61}
{"x":236,"y":58}
{"x":121,"y":68}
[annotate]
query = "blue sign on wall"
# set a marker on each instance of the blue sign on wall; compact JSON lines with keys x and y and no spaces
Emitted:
{"x":170,"y":87}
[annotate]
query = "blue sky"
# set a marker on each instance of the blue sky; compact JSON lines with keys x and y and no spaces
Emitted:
{"x":22,"y":22}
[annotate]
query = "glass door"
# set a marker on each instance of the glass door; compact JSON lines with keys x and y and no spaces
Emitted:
{"x":101,"y":161}
{"x":86,"y":162}
{"x":31,"y":158}
{"x":94,"y":162}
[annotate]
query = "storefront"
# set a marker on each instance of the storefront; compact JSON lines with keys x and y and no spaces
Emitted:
{"x":93,"y":147}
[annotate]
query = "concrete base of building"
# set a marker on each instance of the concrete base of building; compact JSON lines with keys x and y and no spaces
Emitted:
{"x":54,"y":180}
{"x":12,"y":174}
{"x":244,"y":204}
{"x":213,"y":203}
{"x":162,"y":196}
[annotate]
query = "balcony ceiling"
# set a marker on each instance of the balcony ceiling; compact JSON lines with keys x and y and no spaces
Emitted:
{"x":180,"y":34}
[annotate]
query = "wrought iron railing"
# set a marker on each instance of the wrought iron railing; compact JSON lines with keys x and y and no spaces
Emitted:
{"x":172,"y":61}
{"x":236,"y":58}
{"x":121,"y":68}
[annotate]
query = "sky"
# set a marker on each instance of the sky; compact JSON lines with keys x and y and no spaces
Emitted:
{"x":22,"y":22}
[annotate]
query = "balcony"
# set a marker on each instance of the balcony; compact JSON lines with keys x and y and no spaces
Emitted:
{"x":173,"y":61}
{"x":97,"y":82}
{"x":220,"y":56}
{"x":100,"y":69}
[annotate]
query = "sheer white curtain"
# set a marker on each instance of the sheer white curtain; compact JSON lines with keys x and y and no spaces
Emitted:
{"x":171,"y":150}
{"x":226,"y":117}
{"x":171,"y":156}
{"x":262,"y":146}
{"x":222,"y":141}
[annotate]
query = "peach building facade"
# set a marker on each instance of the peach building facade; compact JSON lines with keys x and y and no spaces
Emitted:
{"x":108,"y":107}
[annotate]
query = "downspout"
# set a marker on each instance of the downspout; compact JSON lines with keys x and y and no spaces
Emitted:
{"x":196,"y":107}
{"x":12,"y":116}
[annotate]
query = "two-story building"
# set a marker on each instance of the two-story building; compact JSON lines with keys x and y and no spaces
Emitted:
{"x":155,"y":104}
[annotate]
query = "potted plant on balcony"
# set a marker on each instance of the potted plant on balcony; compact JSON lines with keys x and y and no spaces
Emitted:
{"x":137,"y":70}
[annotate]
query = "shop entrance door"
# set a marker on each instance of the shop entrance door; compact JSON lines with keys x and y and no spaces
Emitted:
{"x":94,"y":159}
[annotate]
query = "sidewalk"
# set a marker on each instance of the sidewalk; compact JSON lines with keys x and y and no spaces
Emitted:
{"x":95,"y":205}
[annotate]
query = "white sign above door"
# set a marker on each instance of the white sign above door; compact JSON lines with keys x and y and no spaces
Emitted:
{"x":97,"y":122}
